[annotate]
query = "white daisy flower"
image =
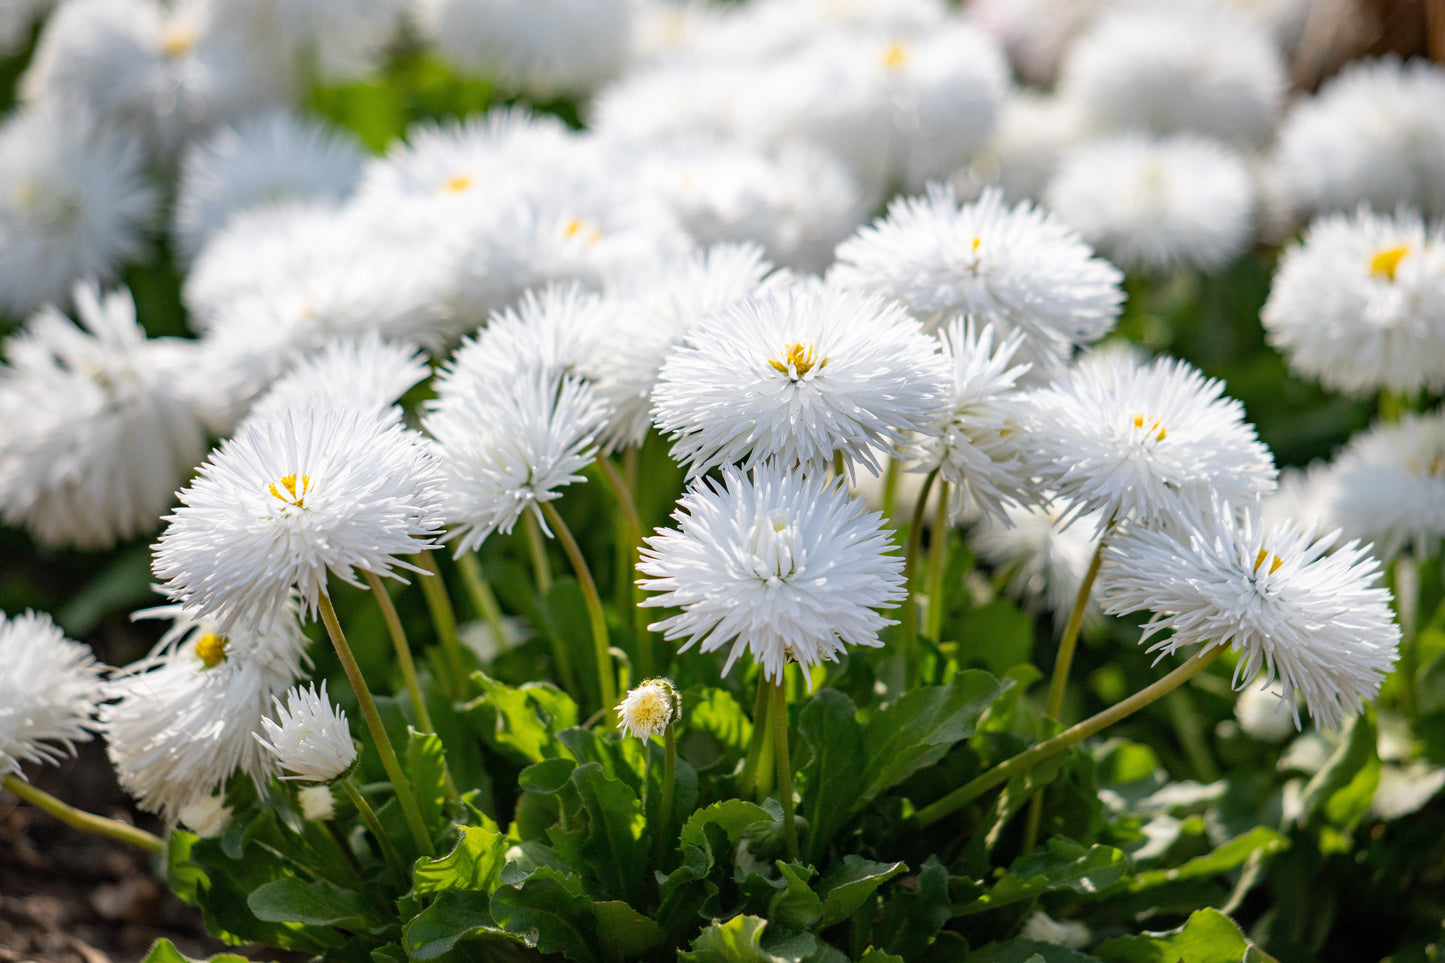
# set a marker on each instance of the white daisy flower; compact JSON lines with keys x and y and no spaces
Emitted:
{"x":364,"y":373}
{"x":1360,"y":304}
{"x":48,"y":692}
{"x":1308,"y":496}
{"x":207,"y":815}
{"x":558,"y":329}
{"x":504,"y":447}
{"x":1141,"y":441}
{"x":76,"y":204}
{"x":1259,"y":712}
{"x":318,"y":804}
{"x":796,"y":376}
{"x":1020,"y":266}
{"x":309,"y":736}
{"x":1389,"y":486}
{"x":340,"y":40}
{"x":1374,"y":134}
{"x":1034,"y":130}
{"x":289,"y":499}
{"x":786,"y":567}
{"x":654,"y":314}
{"x":1183,"y":66}
{"x":165,"y":71}
{"x":542,"y":48}
{"x":260,"y":159}
{"x":1043,"y":559}
{"x":649,"y":709}
{"x":1152,"y":206}
{"x":98,"y":424}
{"x":976,"y":444}
{"x":1315,"y":622}
{"x":177,"y":724}
{"x":1037,"y":33}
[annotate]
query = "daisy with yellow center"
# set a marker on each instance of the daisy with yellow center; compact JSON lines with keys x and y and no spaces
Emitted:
{"x":211,"y":649}
{"x":1386,"y":261}
{"x":649,"y":709}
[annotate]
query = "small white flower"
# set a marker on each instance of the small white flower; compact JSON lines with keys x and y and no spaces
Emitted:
{"x":1044,"y":560}
{"x":1315,"y":622}
{"x":1153,"y":205}
{"x":786,"y":567}
{"x":504,"y":447}
{"x":288,"y":499}
{"x":49,"y":690}
{"x":318,"y":804}
{"x":1259,"y":712}
{"x":975,"y":445}
{"x":1017,"y":266}
{"x":1143,"y":441}
{"x":1389,"y":486}
{"x":309,"y":737}
{"x":207,"y":815}
{"x":649,"y":709}
{"x":795,"y":376}
{"x":1360,"y":304}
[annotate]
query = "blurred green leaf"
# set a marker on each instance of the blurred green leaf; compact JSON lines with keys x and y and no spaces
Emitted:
{"x":1208,"y":937}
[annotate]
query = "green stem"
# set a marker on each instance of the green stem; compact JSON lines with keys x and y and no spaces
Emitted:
{"x":606,"y":675}
{"x":890,"y":486}
{"x":909,"y":614}
{"x":394,"y":865}
{"x":628,"y":594}
{"x":748,"y":779}
{"x":937,"y":564}
{"x":785,"y":769}
{"x":669,"y":780}
{"x":1405,"y":586}
{"x":481,"y":596}
{"x":1031,"y":757}
{"x":1069,"y":641}
{"x":403,"y":651}
{"x":80,"y":819}
{"x":404,"y":795}
{"x":444,"y":618}
{"x":537,"y":548}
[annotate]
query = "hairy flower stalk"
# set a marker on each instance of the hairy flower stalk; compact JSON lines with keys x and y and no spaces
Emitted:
{"x":79,"y":818}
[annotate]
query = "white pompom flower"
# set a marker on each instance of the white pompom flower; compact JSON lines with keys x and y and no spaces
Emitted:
{"x":649,"y":709}
{"x":1359,"y":305}
{"x":1315,"y":622}
{"x":291,"y":498}
{"x":48,"y":692}
{"x":797,"y":375}
{"x":1388,"y":486}
{"x":309,"y":736}
{"x":783,"y":566}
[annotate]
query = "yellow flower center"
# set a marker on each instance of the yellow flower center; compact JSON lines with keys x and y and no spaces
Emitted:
{"x":648,"y":710}
{"x":289,"y":493}
{"x":797,"y":358}
{"x":211,"y":649}
{"x":1156,"y":427}
{"x":1434,"y":468}
{"x":177,"y":40}
{"x":577,"y":227}
{"x":1387,"y":260}
{"x":1274,"y":561}
{"x":458,"y":184}
{"x":895,"y":55}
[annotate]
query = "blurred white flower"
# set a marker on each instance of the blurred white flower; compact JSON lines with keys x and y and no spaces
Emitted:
{"x":796,"y":376}
{"x":1043,"y":560}
{"x":75,"y":206}
{"x":1317,"y":623}
{"x":206,"y":815}
{"x":318,"y":804}
{"x":786,"y":567}
{"x":1154,"y":205}
{"x":1389,"y":486}
{"x":49,"y":692}
{"x":1360,"y":304}
{"x":98,"y":424}
{"x":309,"y":736}
{"x":1259,"y":710}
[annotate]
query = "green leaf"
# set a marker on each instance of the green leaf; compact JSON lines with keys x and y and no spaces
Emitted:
{"x":523,"y":720}
{"x":474,"y":864}
{"x":1028,"y":951}
{"x":164,"y":951}
{"x":625,"y":933}
{"x":1207,"y":937}
{"x":731,"y":815}
{"x":740,"y":940}
{"x":913,"y":915}
{"x":1231,"y":855}
{"x":1063,"y":865}
{"x":427,"y":765}
{"x":549,"y":912}
{"x":875,"y":955}
{"x":455,"y":915}
{"x":613,"y":846}
{"x":848,"y":886}
{"x":715,"y":728}
{"x":1341,"y":792}
{"x":831,"y":775}
{"x":795,"y":905}
{"x":313,"y":903}
{"x":998,"y":634}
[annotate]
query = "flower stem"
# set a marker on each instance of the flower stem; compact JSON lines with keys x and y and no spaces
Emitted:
{"x":748,"y":779}
{"x":444,"y":618}
{"x":909,"y":613}
{"x":537,"y":548}
{"x":937,"y":564}
{"x":394,"y":865}
{"x":404,"y":795}
{"x":403,"y":651}
{"x":481,"y":596}
{"x":669,"y":779}
{"x":785,"y":768}
{"x":630,"y":525}
{"x":1404,"y":583}
{"x":1025,"y":760}
{"x":80,"y":819}
{"x":890,"y":486}
{"x":606,"y":675}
